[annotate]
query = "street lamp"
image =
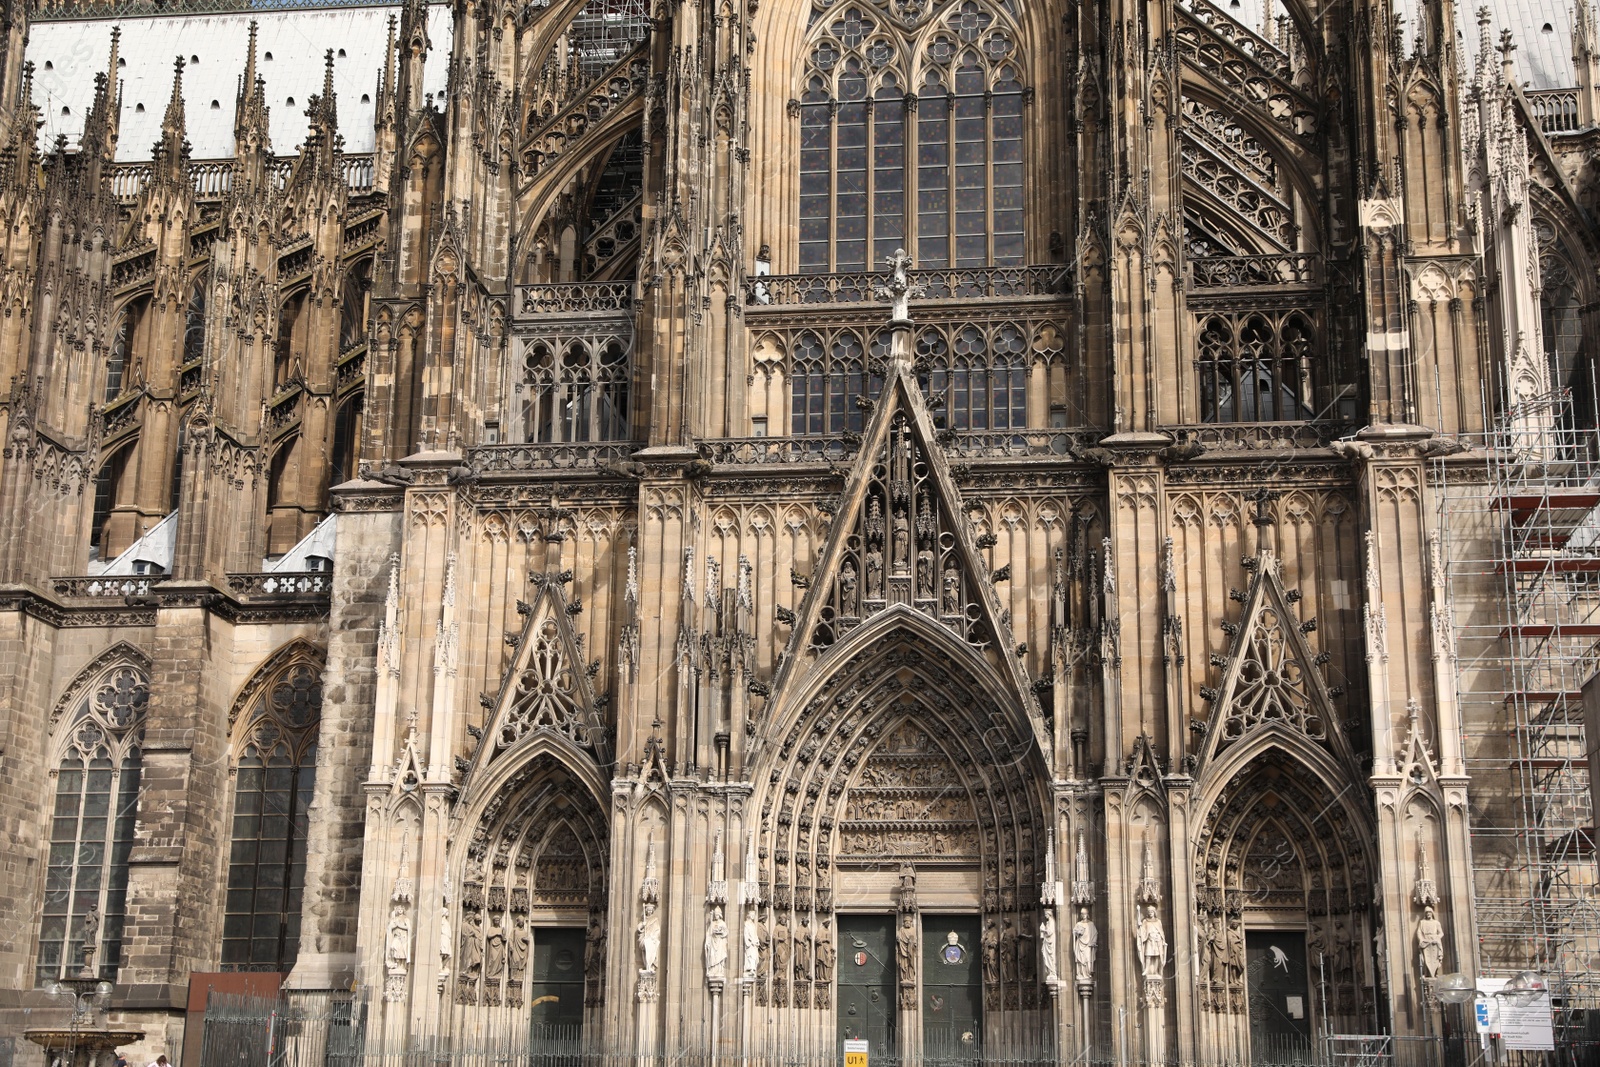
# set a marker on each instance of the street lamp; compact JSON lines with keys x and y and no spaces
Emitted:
{"x":86,"y":997}
{"x":1522,"y":991}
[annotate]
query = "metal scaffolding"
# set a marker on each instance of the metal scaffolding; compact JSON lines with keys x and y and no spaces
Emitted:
{"x":1521,"y":545}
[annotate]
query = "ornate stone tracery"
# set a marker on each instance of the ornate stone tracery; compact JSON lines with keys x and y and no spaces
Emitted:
{"x":546,"y":688}
{"x":1278,"y":845}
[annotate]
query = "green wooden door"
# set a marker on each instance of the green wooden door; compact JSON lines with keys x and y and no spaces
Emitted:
{"x":556,"y":992}
{"x":952,"y":989}
{"x":1279,"y":996}
{"x":867,"y":982}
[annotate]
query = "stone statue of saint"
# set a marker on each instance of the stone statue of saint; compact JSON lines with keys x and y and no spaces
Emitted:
{"x":874,"y":573}
{"x":446,"y":942}
{"x":519,"y":948}
{"x":1430,"y":943}
{"x":847,"y":588}
{"x":925,"y":574}
{"x":1085,"y":938}
{"x":89,"y":930}
{"x":1152,"y":942}
{"x":825,"y":956}
{"x":716,"y":946}
{"x":752,"y":943}
{"x":989,"y":942}
{"x":471,"y":955}
{"x":1216,"y":952}
{"x":1047,"y":947}
{"x":397,"y":943}
{"x":1235,"y":960}
{"x":649,"y":931}
{"x":802,"y":955}
{"x":952,"y":589}
{"x":906,"y":947}
{"x":902,"y":540}
{"x":780,"y":949}
{"x":494,"y":950}
{"x":1008,"y":951}
{"x":594,"y":949}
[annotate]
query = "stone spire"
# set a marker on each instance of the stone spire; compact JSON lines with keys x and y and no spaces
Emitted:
{"x":321,"y":155}
{"x":19,"y":155}
{"x":101,"y":125}
{"x":385,"y":121}
{"x":172,"y":151}
{"x":415,"y":41}
{"x":251,"y":134}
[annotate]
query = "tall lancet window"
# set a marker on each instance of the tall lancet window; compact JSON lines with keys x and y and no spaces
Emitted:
{"x":911,"y":137}
{"x":97,"y":767}
{"x":275,"y":773}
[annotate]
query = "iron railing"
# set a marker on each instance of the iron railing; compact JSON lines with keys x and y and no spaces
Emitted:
{"x":342,"y":1030}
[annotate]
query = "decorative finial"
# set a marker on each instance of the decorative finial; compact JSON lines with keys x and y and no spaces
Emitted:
{"x":900,"y":288}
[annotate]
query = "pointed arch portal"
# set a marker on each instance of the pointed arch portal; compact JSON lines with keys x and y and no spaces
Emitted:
{"x":904,"y":805}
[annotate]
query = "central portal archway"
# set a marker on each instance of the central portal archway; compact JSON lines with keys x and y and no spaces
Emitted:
{"x":902,"y":835}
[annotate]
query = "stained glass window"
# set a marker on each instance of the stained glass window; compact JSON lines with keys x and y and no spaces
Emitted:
{"x":275,"y":773}
{"x":91,"y":829}
{"x":871,"y":149}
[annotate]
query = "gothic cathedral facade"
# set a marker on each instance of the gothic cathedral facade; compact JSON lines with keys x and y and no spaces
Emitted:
{"x":728,"y":525}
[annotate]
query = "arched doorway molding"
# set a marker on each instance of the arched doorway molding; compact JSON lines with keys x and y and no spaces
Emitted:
{"x":1284,"y":841}
{"x":899,"y":767}
{"x":529,"y":851}
{"x":844,"y":658}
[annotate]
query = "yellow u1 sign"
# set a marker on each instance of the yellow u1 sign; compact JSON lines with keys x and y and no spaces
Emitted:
{"x":855,"y":1053}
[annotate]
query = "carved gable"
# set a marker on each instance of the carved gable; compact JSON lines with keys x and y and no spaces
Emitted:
{"x":1270,"y":677}
{"x":545,"y":689}
{"x":900,"y":539}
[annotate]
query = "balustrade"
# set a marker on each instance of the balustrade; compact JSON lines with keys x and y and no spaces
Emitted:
{"x":1289,"y":269}
{"x":281,"y":584}
{"x":213,"y":178}
{"x":105,"y":587}
{"x":954,"y":284}
{"x":577,"y":455}
{"x":575,"y":298}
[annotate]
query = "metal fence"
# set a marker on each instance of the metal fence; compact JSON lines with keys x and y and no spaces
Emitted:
{"x":344,"y":1030}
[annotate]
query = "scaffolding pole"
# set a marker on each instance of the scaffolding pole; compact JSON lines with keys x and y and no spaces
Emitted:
{"x":1519,"y":516}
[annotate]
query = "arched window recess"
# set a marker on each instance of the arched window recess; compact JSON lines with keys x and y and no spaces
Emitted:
{"x":976,"y":377}
{"x":912,"y":138}
{"x":96,"y":765}
{"x":277,"y":719}
{"x":575,"y":389}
